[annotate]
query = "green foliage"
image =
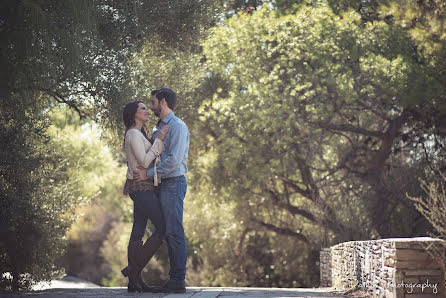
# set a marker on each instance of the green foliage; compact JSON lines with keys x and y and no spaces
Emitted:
{"x":156,"y":65}
{"x":368,"y":9}
{"x":97,"y":240}
{"x":97,"y":178}
{"x":38,"y":197}
{"x":433,"y":203}
{"x":226,"y":248}
{"x":306,"y":128}
{"x":74,"y":53}
{"x":424,"y":20}
{"x":302,"y":120}
{"x":310,"y":120}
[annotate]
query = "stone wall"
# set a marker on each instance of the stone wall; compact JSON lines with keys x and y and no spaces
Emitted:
{"x":398,"y":267}
{"x":325,"y":264}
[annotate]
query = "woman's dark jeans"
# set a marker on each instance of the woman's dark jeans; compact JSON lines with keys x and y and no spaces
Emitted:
{"x":146,"y":205}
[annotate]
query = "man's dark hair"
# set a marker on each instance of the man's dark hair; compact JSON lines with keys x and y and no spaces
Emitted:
{"x":154,"y":92}
{"x":168,"y":94}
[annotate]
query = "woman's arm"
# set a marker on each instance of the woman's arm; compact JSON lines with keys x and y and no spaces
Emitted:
{"x":137,"y":144}
{"x":154,"y":151}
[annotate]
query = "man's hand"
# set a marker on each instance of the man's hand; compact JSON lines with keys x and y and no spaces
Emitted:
{"x":140,"y":174}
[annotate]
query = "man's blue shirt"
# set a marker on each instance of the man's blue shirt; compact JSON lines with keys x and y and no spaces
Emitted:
{"x":176,"y":144}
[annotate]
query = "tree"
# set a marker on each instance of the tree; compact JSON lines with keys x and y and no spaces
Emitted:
{"x":73,"y":53}
{"x":424,"y":20}
{"x":97,"y":178}
{"x":306,"y":114}
{"x":37,"y":200}
{"x":227,"y":249}
{"x":314,"y":125}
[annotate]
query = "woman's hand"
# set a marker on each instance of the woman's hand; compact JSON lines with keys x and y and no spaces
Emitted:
{"x":163,"y":132}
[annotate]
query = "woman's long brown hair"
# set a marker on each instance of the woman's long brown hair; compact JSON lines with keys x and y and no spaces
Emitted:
{"x":128,"y":115}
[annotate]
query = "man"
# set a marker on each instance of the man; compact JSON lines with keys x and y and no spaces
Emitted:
{"x":173,"y":185}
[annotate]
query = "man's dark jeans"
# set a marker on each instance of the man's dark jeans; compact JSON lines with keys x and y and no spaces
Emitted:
{"x":171,"y":193}
{"x":146,"y":205}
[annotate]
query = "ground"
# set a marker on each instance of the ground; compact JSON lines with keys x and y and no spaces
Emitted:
{"x":191,"y":292}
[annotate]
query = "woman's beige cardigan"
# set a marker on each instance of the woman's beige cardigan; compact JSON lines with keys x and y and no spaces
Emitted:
{"x":136,"y":146}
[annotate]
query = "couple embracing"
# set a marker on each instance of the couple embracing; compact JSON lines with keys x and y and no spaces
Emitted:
{"x":156,"y":184}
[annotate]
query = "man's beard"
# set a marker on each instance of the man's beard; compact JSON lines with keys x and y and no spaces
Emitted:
{"x":157,"y":112}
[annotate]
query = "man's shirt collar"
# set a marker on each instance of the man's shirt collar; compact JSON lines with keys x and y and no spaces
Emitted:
{"x":168,"y":118}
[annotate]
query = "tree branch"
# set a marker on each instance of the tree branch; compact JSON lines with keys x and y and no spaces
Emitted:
{"x":351,"y":128}
{"x":61,"y":99}
{"x":298,"y":211}
{"x":282,"y":231}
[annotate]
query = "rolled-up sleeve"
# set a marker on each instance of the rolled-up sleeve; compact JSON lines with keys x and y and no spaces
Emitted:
{"x":154,"y":151}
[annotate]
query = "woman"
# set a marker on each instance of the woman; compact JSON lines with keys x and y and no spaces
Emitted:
{"x":141,"y":153}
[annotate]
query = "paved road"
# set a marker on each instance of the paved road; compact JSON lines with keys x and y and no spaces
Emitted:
{"x":191,"y":292}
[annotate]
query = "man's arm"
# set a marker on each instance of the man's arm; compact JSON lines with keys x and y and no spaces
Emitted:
{"x":178,"y":144}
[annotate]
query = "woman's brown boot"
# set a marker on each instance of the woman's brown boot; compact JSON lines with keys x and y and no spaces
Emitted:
{"x":134,"y":250}
{"x":148,"y":250}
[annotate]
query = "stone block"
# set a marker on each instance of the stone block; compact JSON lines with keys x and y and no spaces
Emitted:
{"x":418,"y":243}
{"x":398,"y":292}
{"x":424,"y":272}
{"x":389,"y":262}
{"x":412,"y":255}
{"x":420,"y":296}
{"x":429,"y":264}
{"x":388,"y":294}
{"x":412,"y":280}
{"x":418,"y":289}
{"x":380,"y":265}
